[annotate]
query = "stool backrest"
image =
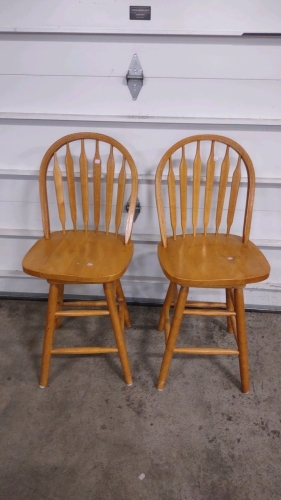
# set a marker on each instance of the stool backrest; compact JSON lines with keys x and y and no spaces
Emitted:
{"x":103,"y":190}
{"x":190,"y":179}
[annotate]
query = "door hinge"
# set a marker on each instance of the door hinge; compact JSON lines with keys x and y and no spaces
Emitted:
{"x":135,"y":77}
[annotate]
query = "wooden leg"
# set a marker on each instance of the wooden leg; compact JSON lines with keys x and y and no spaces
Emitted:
{"x":121,"y":297}
{"x":242,"y":339}
{"x":49,"y":334}
{"x":167,"y":324}
{"x":121,"y":311}
{"x":166,"y":306}
{"x":233,"y":318}
{"x":114,"y":289}
{"x":118,"y":332}
{"x":59,"y":305}
{"x":175,"y":294}
{"x":180,"y":306}
{"x":229,"y":307}
{"x":171,"y":299}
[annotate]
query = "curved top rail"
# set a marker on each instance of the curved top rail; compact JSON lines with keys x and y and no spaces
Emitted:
{"x":81,"y":136}
{"x":213,"y":138}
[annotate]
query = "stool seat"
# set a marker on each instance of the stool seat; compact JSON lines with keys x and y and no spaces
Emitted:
{"x":79,"y":256}
{"x":212,"y":261}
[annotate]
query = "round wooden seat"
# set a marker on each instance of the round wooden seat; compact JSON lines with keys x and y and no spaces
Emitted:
{"x":212,"y":261}
{"x":77,"y":256}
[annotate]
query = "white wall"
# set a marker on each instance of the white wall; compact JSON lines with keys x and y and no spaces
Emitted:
{"x":53,"y":84}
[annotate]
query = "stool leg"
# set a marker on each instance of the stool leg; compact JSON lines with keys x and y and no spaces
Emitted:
{"x":121,"y":297}
{"x":118,"y":332}
{"x":49,"y":334}
{"x":242,"y":339}
{"x":121,"y":311}
{"x":180,"y":306}
{"x":175,"y":294}
{"x":229,"y":307}
{"x":172,"y":298}
{"x":59,"y":305}
{"x":166,"y":306}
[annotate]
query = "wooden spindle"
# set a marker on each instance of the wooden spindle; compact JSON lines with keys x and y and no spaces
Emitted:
{"x":109,"y":188}
{"x":97,"y":186}
{"x":120,"y":195}
{"x":172,"y":197}
{"x":236,"y":178}
{"x":71,"y":184}
{"x":83,"y":163}
{"x":183,"y":191}
{"x":209,"y":187}
{"x":222,"y":187}
{"x":160,"y":208}
{"x":196,"y":187}
{"x":59,"y":192}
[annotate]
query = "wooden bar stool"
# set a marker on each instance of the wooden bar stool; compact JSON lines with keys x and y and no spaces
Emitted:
{"x":203,"y":194}
{"x":92,"y":251}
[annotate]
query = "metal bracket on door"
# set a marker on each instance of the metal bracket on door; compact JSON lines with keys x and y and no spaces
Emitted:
{"x":135,"y":77}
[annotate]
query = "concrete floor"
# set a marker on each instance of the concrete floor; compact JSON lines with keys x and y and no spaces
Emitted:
{"x":89,"y":437}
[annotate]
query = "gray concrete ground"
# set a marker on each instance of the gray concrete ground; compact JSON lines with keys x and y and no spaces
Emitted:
{"x":89,"y":437}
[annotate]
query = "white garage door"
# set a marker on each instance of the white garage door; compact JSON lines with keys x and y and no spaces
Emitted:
{"x":62,"y":70}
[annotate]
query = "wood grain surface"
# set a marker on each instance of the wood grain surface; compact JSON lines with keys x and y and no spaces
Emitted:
{"x":79,"y":257}
{"x":212,"y":261}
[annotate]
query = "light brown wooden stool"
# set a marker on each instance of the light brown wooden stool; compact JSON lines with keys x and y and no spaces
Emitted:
{"x":91,"y":252}
{"x":203,"y":259}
